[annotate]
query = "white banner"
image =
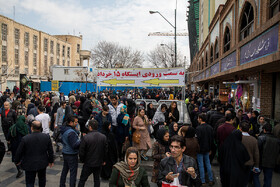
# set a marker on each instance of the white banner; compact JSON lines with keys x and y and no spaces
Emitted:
{"x":141,"y":77}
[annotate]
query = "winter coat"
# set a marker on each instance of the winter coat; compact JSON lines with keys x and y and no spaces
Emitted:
{"x":145,"y":141}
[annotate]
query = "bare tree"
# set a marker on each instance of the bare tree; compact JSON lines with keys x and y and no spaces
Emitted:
{"x":163,"y":57}
{"x":112,"y":55}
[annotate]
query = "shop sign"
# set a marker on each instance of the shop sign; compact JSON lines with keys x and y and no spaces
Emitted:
{"x":55,"y":85}
{"x":265,"y":44}
{"x":207,"y":73}
{"x":228,"y":62}
{"x":215,"y":69}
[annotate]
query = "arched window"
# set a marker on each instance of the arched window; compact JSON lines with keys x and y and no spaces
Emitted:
{"x":202,"y":63}
{"x":211,"y":54}
{"x":274,"y":8}
{"x":216,"y":49}
{"x":206,"y":59}
{"x":226,"y":40}
{"x":247,"y":21}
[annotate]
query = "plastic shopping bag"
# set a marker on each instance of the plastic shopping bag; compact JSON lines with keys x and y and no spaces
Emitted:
{"x":175,"y":183}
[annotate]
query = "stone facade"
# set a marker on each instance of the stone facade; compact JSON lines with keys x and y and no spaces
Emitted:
{"x":25,"y":50}
{"x":258,"y":53}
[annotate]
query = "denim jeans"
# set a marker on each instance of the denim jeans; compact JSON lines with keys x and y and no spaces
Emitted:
{"x":267,"y":172}
{"x":201,"y":159}
{"x":70,"y":163}
{"x":86,"y":172}
{"x":31,"y":175}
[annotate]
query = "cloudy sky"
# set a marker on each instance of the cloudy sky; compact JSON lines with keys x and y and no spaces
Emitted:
{"x":127,"y":22}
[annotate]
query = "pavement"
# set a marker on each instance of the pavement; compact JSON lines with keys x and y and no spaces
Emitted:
{"x":8,"y":173}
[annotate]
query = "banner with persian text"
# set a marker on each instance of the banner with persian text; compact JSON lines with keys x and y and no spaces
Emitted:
{"x":141,"y":77}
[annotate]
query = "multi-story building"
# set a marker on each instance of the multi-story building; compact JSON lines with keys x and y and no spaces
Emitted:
{"x":25,"y":50}
{"x":239,"y":58}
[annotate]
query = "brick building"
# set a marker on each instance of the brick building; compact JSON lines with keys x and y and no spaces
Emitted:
{"x":240,"y":57}
{"x":25,"y":50}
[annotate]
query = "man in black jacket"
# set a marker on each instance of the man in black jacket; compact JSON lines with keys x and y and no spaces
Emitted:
{"x":35,"y":154}
{"x":178,"y":165}
{"x":205,"y":137}
{"x":216,"y":116}
{"x":8,"y":118}
{"x":92,"y":153}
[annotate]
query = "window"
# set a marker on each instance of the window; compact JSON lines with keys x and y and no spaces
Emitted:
{"x":35,"y":71}
{"x":51,"y":44}
{"x":26,"y":39}
{"x":206,"y":59}
{"x":211,"y":54}
{"x":4,"y":69}
{"x":68,"y":63}
{"x":57,"y":61}
{"x":26,"y":70}
{"x":4,"y":31}
{"x":63,"y":50}
{"x":35,"y":59}
{"x":202,"y":63}
{"x":17,"y":70}
{"x":216,"y":49}
{"x":35,"y":42}
{"x":46,"y":63}
{"x":63,"y":62}
{"x":16,"y":56}
{"x":26,"y":58}
{"x":247,"y":21}
{"x":17,"y":35}
{"x":68,"y":52}
{"x":274,"y":8}
{"x":78,"y":48}
{"x":227,"y":40}
{"x":58,"y":49}
{"x":66,"y":71}
{"x":4,"y":54}
{"x":45,"y":44}
{"x":51,"y":61}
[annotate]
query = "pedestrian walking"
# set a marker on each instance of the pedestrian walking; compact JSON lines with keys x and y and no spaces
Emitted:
{"x":70,"y":150}
{"x":92,"y":153}
{"x":44,"y":118}
{"x":35,"y":153}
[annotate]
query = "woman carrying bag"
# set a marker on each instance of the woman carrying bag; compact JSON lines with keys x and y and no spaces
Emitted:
{"x":129,"y":173}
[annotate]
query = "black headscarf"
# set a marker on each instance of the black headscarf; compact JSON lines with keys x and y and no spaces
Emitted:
{"x":190,"y":132}
{"x":150,"y":111}
{"x":232,"y":156}
{"x":171,"y":129}
{"x":160,"y":134}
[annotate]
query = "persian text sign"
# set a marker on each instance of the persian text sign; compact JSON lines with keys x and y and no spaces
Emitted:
{"x":55,"y":85}
{"x":228,"y":62}
{"x":265,"y":44}
{"x":141,"y":77}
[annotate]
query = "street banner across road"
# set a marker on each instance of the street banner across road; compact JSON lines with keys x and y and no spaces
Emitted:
{"x":141,"y":77}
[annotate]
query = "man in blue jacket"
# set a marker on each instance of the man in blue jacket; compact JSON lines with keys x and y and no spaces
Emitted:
{"x":70,"y":150}
{"x":102,"y":117}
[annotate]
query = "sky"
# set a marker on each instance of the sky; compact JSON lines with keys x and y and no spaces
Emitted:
{"x":126,"y":22}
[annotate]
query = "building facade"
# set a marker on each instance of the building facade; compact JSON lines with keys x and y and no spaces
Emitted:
{"x":239,"y":60}
{"x":25,"y":50}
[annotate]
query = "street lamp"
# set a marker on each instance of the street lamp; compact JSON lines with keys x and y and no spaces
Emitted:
{"x":174,"y":26}
{"x":86,"y":74}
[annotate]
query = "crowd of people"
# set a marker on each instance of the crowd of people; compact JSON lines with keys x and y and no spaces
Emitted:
{"x":111,"y":135}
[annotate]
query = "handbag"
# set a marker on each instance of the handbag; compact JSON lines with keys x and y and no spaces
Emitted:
{"x":136,"y":137}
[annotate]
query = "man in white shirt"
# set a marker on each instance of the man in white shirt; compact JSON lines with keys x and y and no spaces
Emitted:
{"x":44,"y":119}
{"x":114,"y":110}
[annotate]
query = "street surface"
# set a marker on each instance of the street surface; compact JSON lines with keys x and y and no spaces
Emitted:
{"x":8,"y":173}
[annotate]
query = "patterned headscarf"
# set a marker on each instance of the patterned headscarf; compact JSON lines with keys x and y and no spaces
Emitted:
{"x":126,"y":116}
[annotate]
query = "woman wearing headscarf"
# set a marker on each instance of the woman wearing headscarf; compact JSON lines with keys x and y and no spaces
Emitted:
{"x":232,"y":157}
{"x":129,"y":173}
{"x":192,"y":146}
{"x":141,"y":124}
{"x":112,"y":155}
{"x":173,"y":113}
{"x":160,"y":151}
{"x":159,"y":118}
{"x":16,"y":132}
{"x":131,"y":109}
{"x":122,"y":132}
{"x":150,"y":111}
{"x":97,"y":107}
{"x":173,"y":129}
